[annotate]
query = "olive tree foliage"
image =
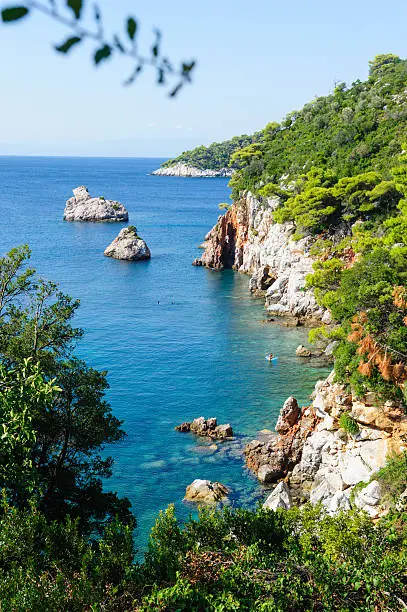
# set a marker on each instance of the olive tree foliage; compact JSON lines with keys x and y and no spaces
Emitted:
{"x":84,"y":28}
{"x":56,"y":415}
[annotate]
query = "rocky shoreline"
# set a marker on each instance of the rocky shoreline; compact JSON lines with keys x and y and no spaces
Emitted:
{"x":184,"y":170}
{"x":319,"y":461}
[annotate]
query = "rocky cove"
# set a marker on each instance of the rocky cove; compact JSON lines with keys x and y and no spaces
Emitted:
{"x":312,"y":456}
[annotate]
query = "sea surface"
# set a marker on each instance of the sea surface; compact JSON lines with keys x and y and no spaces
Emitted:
{"x":178,"y":341}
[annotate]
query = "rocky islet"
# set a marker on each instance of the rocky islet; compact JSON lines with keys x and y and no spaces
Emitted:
{"x":83,"y":207}
{"x":128,"y":246}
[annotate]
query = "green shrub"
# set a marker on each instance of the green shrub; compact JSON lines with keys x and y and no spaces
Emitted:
{"x":348,"y":424}
{"x":393,"y":476}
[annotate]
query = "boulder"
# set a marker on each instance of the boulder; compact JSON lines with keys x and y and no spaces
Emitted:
{"x":128,"y":246}
{"x":330,"y":348}
{"x":368,"y":499}
{"x":339,"y":501}
{"x":353,"y":469}
{"x":302,"y":351}
{"x":402,"y":501}
{"x":205,"y":492}
{"x":83,"y":207}
{"x":271,"y":472}
{"x":279,"y":498}
{"x":288,"y":416}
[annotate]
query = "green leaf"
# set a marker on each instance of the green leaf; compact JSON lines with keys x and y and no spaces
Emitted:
{"x":102,"y":54}
{"x":14,"y":13}
{"x":76,"y":6}
{"x":68,"y":44}
{"x":131,"y":27}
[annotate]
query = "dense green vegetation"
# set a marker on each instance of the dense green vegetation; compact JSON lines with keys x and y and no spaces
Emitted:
{"x":242,"y":560}
{"x":349,"y":132}
{"x":216,"y":156}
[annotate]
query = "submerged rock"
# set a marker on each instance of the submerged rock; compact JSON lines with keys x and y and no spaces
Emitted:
{"x":128,"y":246}
{"x":82,"y":207}
{"x":207,"y":427}
{"x":205,"y":491}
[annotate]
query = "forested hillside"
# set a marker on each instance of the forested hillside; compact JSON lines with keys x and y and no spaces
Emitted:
{"x":216,"y":156}
{"x":352,"y":130}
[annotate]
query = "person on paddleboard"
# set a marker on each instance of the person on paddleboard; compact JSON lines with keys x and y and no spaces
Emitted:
{"x":270,"y":356}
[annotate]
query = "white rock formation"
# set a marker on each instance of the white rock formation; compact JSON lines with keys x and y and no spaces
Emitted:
{"x":180,"y":169}
{"x":279,"y":498}
{"x":368,"y":499}
{"x":128,"y":246}
{"x":82,"y":207}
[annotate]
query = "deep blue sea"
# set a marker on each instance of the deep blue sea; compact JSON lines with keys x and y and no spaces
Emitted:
{"x":178,"y":341}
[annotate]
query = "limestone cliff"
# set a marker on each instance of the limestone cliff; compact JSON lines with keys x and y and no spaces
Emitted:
{"x":246,"y":239}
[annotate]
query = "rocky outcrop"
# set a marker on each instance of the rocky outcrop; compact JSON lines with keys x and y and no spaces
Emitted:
{"x":207,"y":428}
{"x":279,"y":498}
{"x":82,"y":207}
{"x":128,"y":246}
{"x":274,"y":458}
{"x":302,"y":351}
{"x":246,"y":239}
{"x":319,"y":460}
{"x":180,"y":169}
{"x":205,"y":492}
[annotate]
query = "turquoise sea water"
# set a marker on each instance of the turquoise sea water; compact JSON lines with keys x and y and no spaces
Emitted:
{"x":178,"y":342}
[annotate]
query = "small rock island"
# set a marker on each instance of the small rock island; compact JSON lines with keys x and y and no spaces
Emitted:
{"x":83,"y":207}
{"x":128,"y":246}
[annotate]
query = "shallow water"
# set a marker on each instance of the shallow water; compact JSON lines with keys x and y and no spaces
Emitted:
{"x":178,"y":341}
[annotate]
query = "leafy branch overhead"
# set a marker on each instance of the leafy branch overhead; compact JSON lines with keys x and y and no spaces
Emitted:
{"x":72,"y":13}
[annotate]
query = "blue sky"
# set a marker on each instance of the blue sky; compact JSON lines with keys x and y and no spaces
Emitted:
{"x":257,"y":60}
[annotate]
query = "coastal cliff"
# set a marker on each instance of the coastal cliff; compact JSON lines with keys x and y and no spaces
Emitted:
{"x":185,"y":170}
{"x":247,"y":239}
